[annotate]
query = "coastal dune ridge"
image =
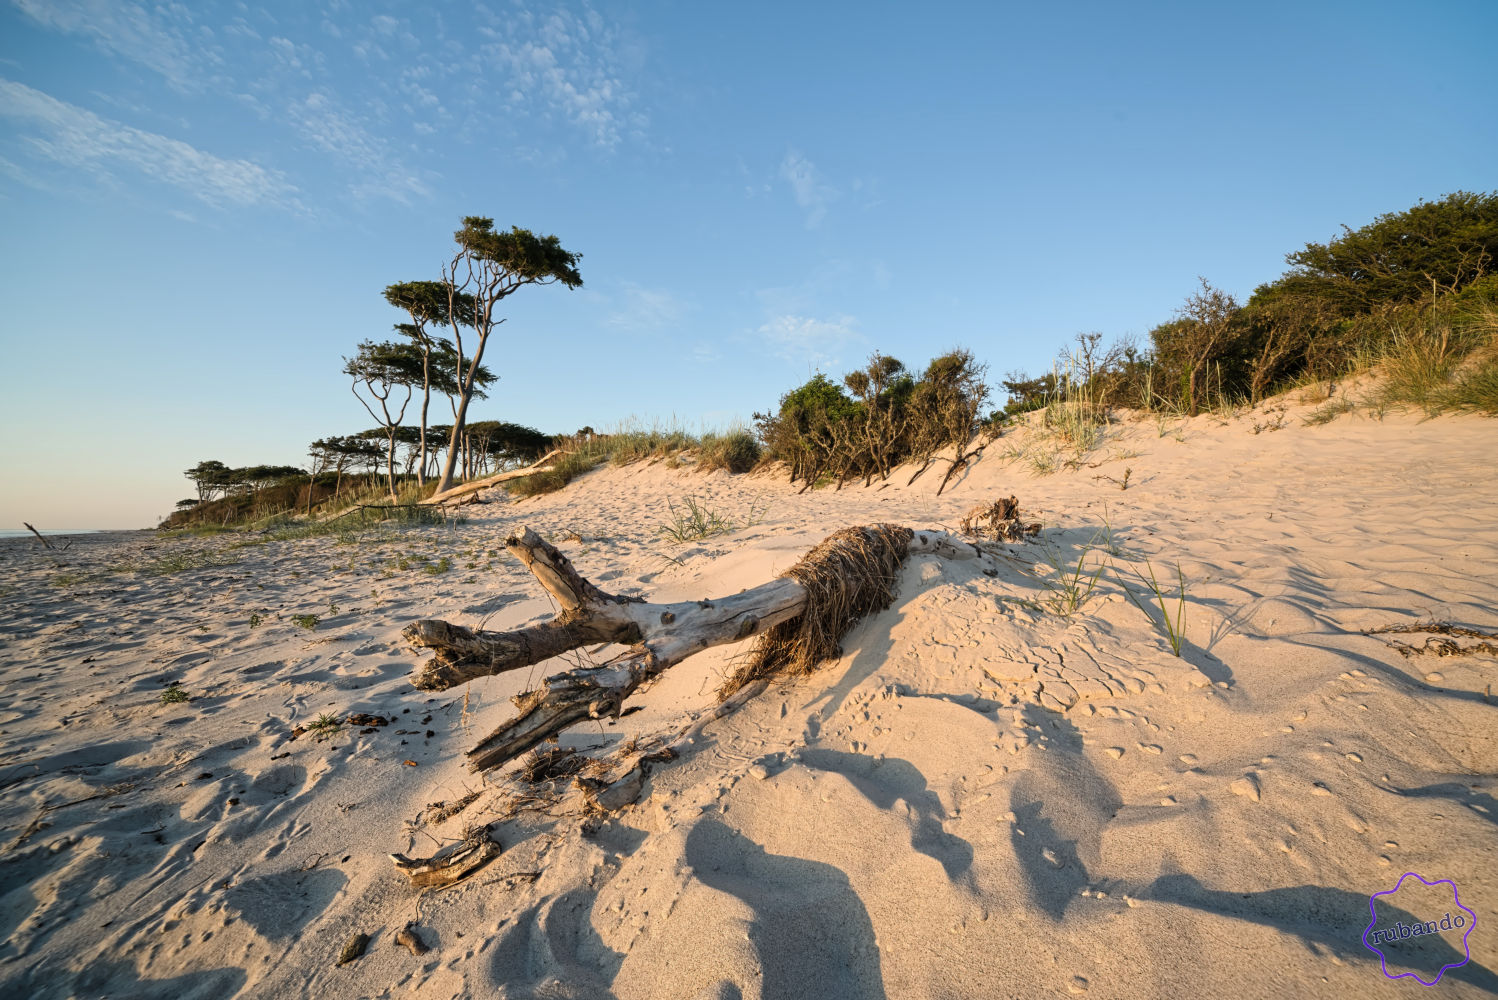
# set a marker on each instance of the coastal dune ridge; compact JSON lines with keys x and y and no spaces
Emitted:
{"x":1032,"y":774}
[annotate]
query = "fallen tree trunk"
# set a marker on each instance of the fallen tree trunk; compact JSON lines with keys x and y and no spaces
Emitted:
{"x":800,"y":617}
{"x":540,"y":465}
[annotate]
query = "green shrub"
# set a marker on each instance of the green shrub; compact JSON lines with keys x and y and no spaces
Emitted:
{"x":879,"y":418}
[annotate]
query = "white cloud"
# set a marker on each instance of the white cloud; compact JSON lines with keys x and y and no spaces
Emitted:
{"x":161,"y":37}
{"x":568,"y":65}
{"x":802,"y":339}
{"x":646,"y":309}
{"x":165,"y":39}
{"x":806,"y":186}
{"x":75,"y":137}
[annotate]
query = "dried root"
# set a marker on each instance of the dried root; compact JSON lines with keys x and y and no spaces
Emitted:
{"x":852,"y":573}
{"x":1437,"y":644}
{"x":998,"y":522}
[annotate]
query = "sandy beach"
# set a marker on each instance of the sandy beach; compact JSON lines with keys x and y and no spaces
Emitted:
{"x":983,"y":797}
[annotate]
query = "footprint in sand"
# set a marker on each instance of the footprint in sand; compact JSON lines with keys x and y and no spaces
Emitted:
{"x":1246,"y":786}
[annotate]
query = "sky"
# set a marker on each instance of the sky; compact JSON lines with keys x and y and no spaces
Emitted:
{"x":201,"y":203}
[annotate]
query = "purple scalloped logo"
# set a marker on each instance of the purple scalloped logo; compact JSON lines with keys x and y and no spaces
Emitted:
{"x":1401,"y":931}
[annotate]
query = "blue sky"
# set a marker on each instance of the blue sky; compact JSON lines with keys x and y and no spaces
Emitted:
{"x":201,"y":203}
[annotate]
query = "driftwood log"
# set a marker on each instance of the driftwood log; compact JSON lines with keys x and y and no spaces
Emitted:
{"x":543,"y":464}
{"x":662,"y":635}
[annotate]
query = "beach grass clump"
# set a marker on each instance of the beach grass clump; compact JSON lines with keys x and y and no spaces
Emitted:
{"x":735,"y":451}
{"x":1418,"y":365}
{"x":1068,"y":586}
{"x":1475,"y":388}
{"x":632,"y":442}
{"x":308,"y":622}
{"x":564,"y":469}
{"x":693,"y":521}
{"x":1171,"y":623}
{"x":325,"y":726}
{"x":174,"y":695}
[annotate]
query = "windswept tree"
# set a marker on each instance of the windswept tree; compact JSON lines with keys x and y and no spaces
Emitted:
{"x":384,"y":370}
{"x":210,"y":477}
{"x":490,"y":266}
{"x":429,"y":304}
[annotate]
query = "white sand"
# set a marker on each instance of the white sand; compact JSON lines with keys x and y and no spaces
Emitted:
{"x":980,"y":799}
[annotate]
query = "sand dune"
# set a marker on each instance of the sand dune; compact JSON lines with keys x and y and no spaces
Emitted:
{"x":981,"y":798}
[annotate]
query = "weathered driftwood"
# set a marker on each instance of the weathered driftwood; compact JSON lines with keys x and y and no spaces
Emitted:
{"x":407,"y":937}
{"x":452,"y":863}
{"x":659,"y":635}
{"x":543,"y":464}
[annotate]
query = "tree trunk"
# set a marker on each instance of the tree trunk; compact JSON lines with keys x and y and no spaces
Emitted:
{"x":390,"y":465}
{"x":426,"y":397}
{"x":457,"y":491}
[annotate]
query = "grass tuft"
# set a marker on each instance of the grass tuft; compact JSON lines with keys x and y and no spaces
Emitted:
{"x":1069,"y":587}
{"x":1173,"y":626}
{"x":693,"y":522}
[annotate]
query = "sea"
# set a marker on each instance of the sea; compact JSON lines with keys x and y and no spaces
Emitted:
{"x":23,"y":533}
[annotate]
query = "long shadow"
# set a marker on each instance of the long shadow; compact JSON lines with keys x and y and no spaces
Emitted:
{"x":554,"y":941}
{"x":1398,"y":677}
{"x":77,"y":760}
{"x":121,"y":979}
{"x":1452,"y":791}
{"x":810,"y":930}
{"x":883,"y":782}
{"x":1058,"y":825}
{"x":1332,"y":918}
{"x":279,"y":906}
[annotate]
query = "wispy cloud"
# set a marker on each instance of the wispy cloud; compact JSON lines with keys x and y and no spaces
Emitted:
{"x":565,"y":64}
{"x":807,"y":187}
{"x":326,"y":126}
{"x":162,"y":37}
{"x":287,"y":83}
{"x":646,"y":309}
{"x":805,"y":340}
{"x":76,"y":137}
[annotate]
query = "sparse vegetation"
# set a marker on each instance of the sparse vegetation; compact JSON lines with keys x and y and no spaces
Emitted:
{"x":325,"y":726}
{"x":173,"y":695}
{"x":1172,"y":625}
{"x":1068,"y":587}
{"x":180,"y":561}
{"x":693,"y":522}
{"x":308,"y":622}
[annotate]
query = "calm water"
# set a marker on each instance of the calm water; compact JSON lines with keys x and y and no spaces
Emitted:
{"x":22,"y":532}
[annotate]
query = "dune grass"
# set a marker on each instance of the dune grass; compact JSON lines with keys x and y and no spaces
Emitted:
{"x":1171,"y":625}
{"x":735,"y":450}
